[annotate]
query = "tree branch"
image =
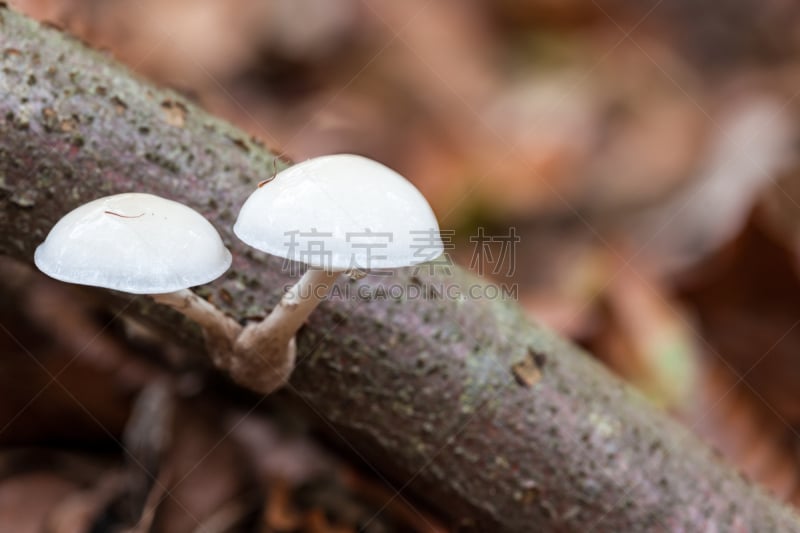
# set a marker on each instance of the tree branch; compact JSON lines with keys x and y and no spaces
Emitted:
{"x":492,"y":420}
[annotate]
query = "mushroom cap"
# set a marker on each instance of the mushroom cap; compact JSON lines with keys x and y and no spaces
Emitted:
{"x":341,"y":212}
{"x":134,"y":242}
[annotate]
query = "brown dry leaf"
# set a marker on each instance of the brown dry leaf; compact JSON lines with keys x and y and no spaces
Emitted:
{"x":53,"y":491}
{"x":534,"y":134}
{"x":81,"y":407}
{"x":647,"y":133}
{"x":647,"y":338}
{"x":753,"y":140}
{"x":26,"y":500}
{"x":58,"y":331}
{"x":587,"y":131}
{"x":303,"y":476}
{"x":571,"y":276}
{"x":280,"y":514}
{"x":750,"y":435}
{"x":747,"y":297}
{"x":207,"y":475}
{"x":276,"y":454}
{"x":780,"y":210}
{"x":78,"y":512}
{"x":381,"y":497}
{"x":317,"y":522}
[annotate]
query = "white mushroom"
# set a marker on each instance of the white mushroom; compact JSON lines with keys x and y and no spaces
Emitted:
{"x":334,"y":213}
{"x":143,"y":244}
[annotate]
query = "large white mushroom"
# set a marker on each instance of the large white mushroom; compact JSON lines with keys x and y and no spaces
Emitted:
{"x":143,"y":244}
{"x":333,"y":213}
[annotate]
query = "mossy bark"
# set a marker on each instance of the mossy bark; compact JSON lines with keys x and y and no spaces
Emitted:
{"x":492,"y":420}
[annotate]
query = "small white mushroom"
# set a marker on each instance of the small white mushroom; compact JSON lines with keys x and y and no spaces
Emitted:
{"x":333,"y":213}
{"x":143,"y":244}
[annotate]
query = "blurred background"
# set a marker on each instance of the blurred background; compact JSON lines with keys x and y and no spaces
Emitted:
{"x":645,"y":153}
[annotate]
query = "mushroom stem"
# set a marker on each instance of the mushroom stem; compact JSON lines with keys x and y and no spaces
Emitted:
{"x":219,"y":329}
{"x":299,"y":301}
{"x":271,"y":341}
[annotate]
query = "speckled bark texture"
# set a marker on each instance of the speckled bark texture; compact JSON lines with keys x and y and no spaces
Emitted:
{"x":500,"y":425}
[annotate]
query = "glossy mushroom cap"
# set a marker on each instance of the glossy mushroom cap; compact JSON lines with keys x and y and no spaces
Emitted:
{"x":134,"y":242}
{"x":340,"y":212}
